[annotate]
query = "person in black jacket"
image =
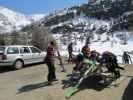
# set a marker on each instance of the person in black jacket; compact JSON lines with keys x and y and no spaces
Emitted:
{"x":126,"y":58}
{"x":110,"y":60}
{"x":70,"y":50}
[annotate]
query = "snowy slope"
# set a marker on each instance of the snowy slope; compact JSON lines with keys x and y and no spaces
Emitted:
{"x":37,"y":17}
{"x":113,"y":46}
{"x":10,"y":20}
{"x":100,"y":43}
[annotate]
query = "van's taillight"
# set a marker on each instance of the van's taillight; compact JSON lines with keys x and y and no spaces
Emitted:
{"x":4,"y":57}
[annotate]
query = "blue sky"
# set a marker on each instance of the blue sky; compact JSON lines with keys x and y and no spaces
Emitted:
{"x":39,"y":6}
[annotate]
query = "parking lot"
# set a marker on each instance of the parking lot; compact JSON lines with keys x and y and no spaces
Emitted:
{"x":30,"y":84}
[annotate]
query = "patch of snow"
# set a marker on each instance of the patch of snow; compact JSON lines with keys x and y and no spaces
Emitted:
{"x":37,"y":17}
{"x":113,"y":45}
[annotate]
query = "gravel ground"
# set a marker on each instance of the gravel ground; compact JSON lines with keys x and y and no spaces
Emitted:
{"x":30,"y":84}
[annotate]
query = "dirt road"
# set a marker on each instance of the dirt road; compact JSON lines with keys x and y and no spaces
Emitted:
{"x":30,"y":84}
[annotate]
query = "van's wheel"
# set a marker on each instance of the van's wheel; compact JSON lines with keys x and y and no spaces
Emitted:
{"x":18,"y":64}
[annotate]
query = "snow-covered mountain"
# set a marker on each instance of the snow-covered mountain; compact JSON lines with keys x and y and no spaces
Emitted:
{"x":11,"y":20}
{"x":107,"y":22}
{"x":37,"y":17}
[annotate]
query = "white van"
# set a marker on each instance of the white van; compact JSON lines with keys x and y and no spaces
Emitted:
{"x":20,"y":55}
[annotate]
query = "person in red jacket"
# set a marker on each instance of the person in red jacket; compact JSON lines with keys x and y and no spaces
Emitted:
{"x":86,"y":51}
{"x":49,"y":59}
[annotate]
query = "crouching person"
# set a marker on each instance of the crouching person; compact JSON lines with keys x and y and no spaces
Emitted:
{"x":83,"y":63}
{"x":78,"y":62}
{"x":110,"y":61}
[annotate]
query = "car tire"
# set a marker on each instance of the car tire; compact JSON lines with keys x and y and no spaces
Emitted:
{"x":18,"y":64}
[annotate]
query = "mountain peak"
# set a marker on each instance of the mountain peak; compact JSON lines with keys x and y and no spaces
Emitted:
{"x":1,"y":7}
{"x":11,"y":20}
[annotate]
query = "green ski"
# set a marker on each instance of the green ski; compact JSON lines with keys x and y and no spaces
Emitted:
{"x":92,"y":67}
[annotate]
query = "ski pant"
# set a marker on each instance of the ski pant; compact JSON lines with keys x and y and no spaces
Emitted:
{"x":51,"y":71}
{"x":126,"y":61}
{"x":113,"y":67}
{"x":70,"y":59}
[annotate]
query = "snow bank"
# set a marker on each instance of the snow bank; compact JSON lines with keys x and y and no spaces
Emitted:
{"x":113,"y":46}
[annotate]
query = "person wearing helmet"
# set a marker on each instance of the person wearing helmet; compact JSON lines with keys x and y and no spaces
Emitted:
{"x":80,"y":57}
{"x":86,"y":51}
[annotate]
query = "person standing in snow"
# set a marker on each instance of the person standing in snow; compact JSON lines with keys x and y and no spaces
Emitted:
{"x":126,"y":58}
{"x":70,"y":50}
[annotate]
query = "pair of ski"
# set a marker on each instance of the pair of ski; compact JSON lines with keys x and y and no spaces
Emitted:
{"x":91,"y":69}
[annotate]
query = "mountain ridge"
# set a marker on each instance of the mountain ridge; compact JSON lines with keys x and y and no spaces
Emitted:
{"x":13,"y":21}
